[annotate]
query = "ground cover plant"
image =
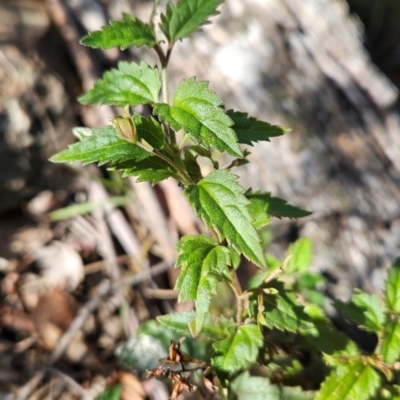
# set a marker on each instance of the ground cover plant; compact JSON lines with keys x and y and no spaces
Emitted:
{"x":279,"y":344}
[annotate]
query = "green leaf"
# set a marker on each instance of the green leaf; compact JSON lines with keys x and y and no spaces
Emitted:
{"x":204,"y":263}
{"x":249,"y":387}
{"x":283,"y":311}
{"x":129,"y":85}
{"x":249,"y":129}
{"x":325,"y":337}
{"x":161,"y":333}
{"x":262,"y":203}
{"x":392,"y":290}
{"x":390,"y":345}
{"x":141,"y":353}
{"x":112,"y":393}
{"x":197,"y":110}
{"x":239,"y":350}
{"x":186,"y":18}
{"x":104,"y":145}
{"x":150,"y":130}
{"x":301,"y":255}
{"x":152,"y":169}
{"x":218,"y":199}
{"x":214,"y":328}
{"x":364,"y":309}
{"x":353,"y":381}
{"x":128,"y":32}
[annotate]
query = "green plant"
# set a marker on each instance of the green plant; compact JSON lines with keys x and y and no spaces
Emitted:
{"x":276,"y":347}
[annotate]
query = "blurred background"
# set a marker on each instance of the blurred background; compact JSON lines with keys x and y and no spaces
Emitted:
{"x":328,"y":69}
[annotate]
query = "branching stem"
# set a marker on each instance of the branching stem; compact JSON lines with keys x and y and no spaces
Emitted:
{"x":186,"y":180}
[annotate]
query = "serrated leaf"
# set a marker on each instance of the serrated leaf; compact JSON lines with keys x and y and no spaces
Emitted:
{"x":203,"y":263}
{"x":129,"y":85}
{"x":159,"y":332}
{"x":214,"y":328}
{"x":153,"y":169}
{"x":128,"y":32}
{"x":263,"y":204}
{"x":239,"y":350}
{"x":112,"y":393}
{"x":197,"y":111}
{"x":249,"y":129}
{"x":325,"y":337}
{"x":150,"y":130}
{"x":283,"y":311}
{"x":390,"y":344}
{"x":301,"y":255}
{"x":354,"y":381}
{"x":187,"y":17}
{"x":218,"y":199}
{"x":364,"y":309}
{"x":392,"y":290}
{"x":248,"y":387}
{"x":104,"y":145}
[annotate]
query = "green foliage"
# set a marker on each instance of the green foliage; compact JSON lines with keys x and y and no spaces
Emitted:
{"x":249,"y":129}
{"x":355,"y":380}
{"x":392,"y":292}
{"x":365,"y":309}
{"x":281,"y":345}
{"x":239,"y":350}
{"x":196,"y":110}
{"x":186,"y":17}
{"x":123,"y":34}
{"x":102,"y":146}
{"x":218,"y":199}
{"x":248,"y":387}
{"x":129,"y":85}
{"x":280,"y":309}
{"x":204,"y":263}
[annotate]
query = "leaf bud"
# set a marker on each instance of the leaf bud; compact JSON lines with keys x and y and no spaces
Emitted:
{"x":126,"y":128}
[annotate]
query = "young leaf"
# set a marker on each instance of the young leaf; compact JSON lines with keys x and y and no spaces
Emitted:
{"x":355,"y":380}
{"x":392,"y":292}
{"x":152,"y":169}
{"x":218,"y":199}
{"x":213,"y":328}
{"x":301,"y":254}
{"x":283,"y":311}
{"x":262,"y":202}
{"x":104,"y":145}
{"x":150,"y":130}
{"x":186,"y":18}
{"x":249,"y":387}
{"x":197,"y":110}
{"x":129,"y":85}
{"x":128,"y":32}
{"x":249,"y":129}
{"x":390,"y":345}
{"x":239,"y":350}
{"x":364,"y":309}
{"x":203,"y":263}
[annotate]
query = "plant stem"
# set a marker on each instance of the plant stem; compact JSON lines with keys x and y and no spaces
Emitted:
{"x":164,"y":80}
{"x":186,"y":180}
{"x":185,"y":177}
{"x":235,"y":284}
